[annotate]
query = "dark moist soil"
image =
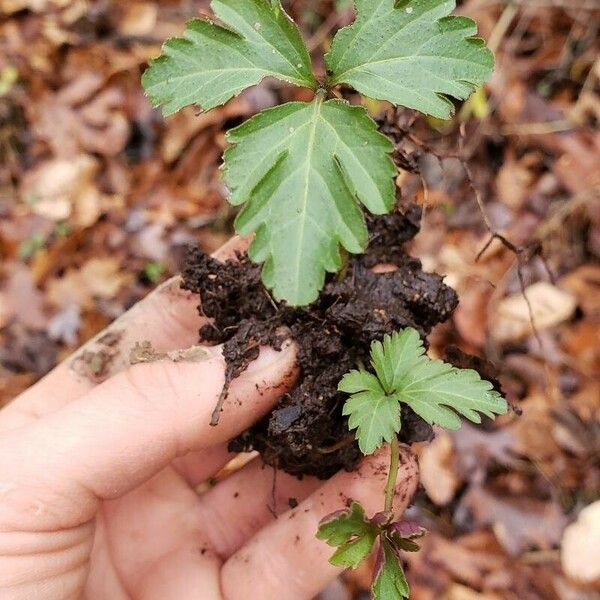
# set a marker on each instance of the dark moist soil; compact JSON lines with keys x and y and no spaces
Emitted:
{"x":306,"y":433}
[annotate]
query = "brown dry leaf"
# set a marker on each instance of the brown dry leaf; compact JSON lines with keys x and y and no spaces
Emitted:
{"x":513,"y":182}
{"x":436,"y":466}
{"x":468,"y":565}
{"x":550,"y":306}
{"x":187,"y":124}
{"x":98,"y":278}
{"x":21,"y":299}
{"x":460,"y":592}
{"x":518,"y":524}
{"x":474,"y":448}
{"x":139,"y":19}
{"x":470,"y":317}
{"x":578,"y":166}
{"x":584,"y":284}
{"x":55,"y":188}
{"x":581,"y":343}
{"x":99,"y":126}
{"x":580,"y":547}
{"x":533,"y":431}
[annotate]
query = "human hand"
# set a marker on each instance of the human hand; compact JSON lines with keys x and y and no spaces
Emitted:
{"x":99,"y":463}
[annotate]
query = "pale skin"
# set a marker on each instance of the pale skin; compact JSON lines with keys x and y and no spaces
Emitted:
{"x":99,"y":470}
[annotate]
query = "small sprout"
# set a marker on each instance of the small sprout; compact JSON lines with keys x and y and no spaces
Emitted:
{"x":351,"y":532}
{"x":153,"y":271}
{"x":355,"y":537}
{"x":435,"y":390}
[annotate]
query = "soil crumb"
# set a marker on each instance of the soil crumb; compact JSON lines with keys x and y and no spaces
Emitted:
{"x":306,"y":433}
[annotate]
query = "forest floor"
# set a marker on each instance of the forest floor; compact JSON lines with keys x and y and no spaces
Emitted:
{"x":99,"y":197}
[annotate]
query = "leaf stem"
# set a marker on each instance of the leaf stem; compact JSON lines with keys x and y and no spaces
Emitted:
{"x":393,"y":474}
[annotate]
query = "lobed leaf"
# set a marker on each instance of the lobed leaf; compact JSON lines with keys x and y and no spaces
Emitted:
{"x":212,"y":63}
{"x":437,"y":391}
{"x":300,"y":170}
{"x":389,"y":581}
{"x":411,"y":53}
{"x":393,"y":358}
{"x":352,"y":532}
{"x":375,"y":416}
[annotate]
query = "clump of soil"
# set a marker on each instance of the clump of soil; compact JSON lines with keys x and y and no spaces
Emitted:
{"x":306,"y":433}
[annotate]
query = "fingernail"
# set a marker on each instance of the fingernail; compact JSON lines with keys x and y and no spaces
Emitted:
{"x":269,"y":357}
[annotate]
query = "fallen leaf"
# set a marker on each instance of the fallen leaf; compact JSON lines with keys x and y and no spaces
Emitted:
{"x":436,"y":465}
{"x":580,"y":547}
{"x":54,"y":188}
{"x":21,"y":300}
{"x":97,"y":278}
{"x":470,"y":566}
{"x":475,"y":447}
{"x":513,"y":181}
{"x":470,"y":316}
{"x":584,"y":284}
{"x":518,"y":524}
{"x":139,"y":19}
{"x":65,"y":325}
{"x":550,"y":306}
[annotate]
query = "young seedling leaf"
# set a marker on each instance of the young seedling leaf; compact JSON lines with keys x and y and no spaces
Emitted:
{"x":411,"y":53}
{"x":435,"y":390}
{"x":374,"y":414}
{"x":389,"y":581}
{"x":300,"y":170}
{"x":404,"y":533}
{"x":351,"y":532}
{"x":393,"y":358}
{"x":212,"y":63}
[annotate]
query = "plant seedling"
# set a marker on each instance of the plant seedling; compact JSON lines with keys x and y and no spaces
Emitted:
{"x":436,"y":391}
{"x":303,"y":172}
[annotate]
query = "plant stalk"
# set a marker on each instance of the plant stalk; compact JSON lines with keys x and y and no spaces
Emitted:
{"x":392,"y":475}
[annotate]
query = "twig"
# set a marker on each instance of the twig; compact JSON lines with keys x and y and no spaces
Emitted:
{"x":216,"y":413}
{"x":543,"y":128}
{"x":518,"y":251}
{"x":502,"y":26}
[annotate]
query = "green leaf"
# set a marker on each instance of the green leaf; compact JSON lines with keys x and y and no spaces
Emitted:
{"x":411,"y":53}
{"x":396,"y":356}
{"x":300,"y":170}
{"x":214,"y":62}
{"x":352,"y":532}
{"x":389,"y":581}
{"x":374,"y":415}
{"x":436,"y":391}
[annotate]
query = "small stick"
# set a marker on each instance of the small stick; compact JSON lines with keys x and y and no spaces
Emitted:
{"x":216,"y":413}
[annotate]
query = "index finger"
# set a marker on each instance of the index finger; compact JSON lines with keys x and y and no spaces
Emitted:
{"x":167,"y":318}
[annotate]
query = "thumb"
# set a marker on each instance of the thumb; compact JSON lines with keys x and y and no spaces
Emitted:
{"x":126,"y":430}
